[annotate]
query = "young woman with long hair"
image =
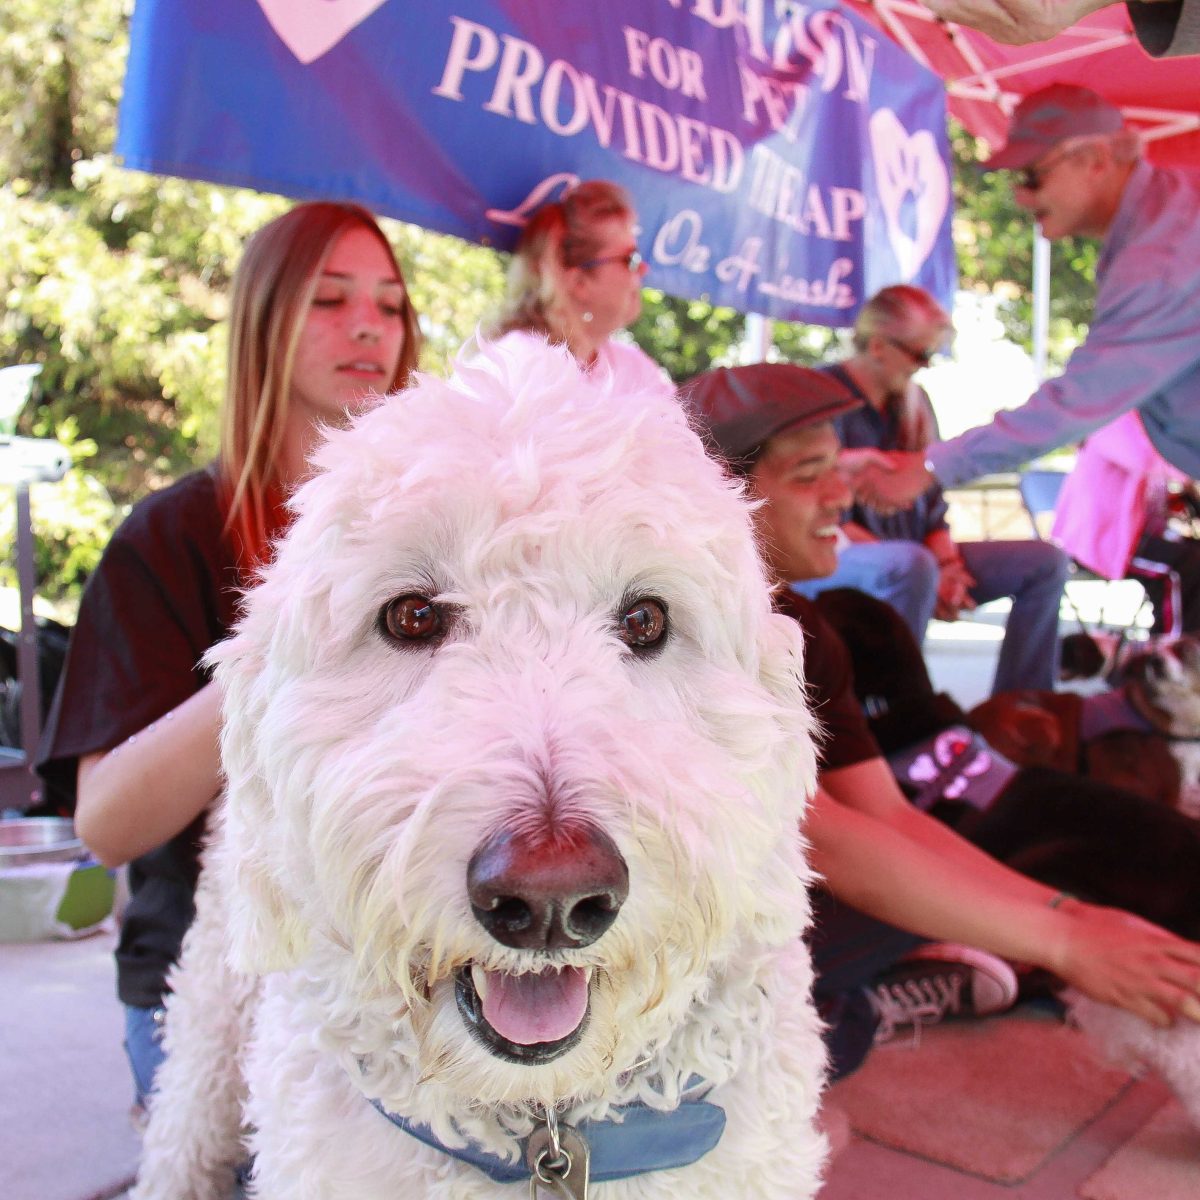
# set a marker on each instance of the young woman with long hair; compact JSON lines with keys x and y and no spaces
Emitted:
{"x":320,"y":319}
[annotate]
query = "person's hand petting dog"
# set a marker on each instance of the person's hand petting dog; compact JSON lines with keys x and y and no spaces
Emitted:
{"x":1017,"y":22}
{"x":1118,"y":958}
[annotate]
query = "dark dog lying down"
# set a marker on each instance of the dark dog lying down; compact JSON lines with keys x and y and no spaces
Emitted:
{"x":1048,"y":729}
{"x":1159,"y":689}
{"x":1072,"y":832}
{"x":1144,"y":736}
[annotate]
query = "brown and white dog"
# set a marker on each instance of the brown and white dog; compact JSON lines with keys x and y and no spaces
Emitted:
{"x":1163,"y":686}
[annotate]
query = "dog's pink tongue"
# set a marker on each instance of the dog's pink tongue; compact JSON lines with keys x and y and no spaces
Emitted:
{"x":527,"y":1009}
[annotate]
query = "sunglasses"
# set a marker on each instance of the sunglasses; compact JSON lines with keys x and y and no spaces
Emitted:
{"x":922,"y":358}
{"x":632,"y":259}
{"x":1032,"y":178}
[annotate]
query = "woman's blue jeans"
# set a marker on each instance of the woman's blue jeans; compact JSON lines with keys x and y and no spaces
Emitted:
{"x":143,"y":1046}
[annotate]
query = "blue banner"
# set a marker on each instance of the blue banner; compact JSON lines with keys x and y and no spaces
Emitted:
{"x":785,"y":158}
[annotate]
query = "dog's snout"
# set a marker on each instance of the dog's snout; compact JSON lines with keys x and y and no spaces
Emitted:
{"x":547,"y":892}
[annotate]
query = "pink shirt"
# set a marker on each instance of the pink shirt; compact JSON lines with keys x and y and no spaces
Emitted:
{"x":1102,"y":508}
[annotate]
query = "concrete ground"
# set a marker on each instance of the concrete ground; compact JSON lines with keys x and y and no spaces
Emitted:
{"x":868,"y":1171}
{"x":65,"y":1090}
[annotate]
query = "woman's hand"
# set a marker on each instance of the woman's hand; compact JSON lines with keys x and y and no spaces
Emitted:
{"x":1120,"y":959}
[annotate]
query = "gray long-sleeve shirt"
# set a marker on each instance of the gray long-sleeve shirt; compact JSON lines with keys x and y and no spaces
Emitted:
{"x":1142,"y":350}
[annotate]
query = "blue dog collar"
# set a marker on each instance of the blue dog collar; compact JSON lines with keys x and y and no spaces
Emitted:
{"x":644,"y":1140}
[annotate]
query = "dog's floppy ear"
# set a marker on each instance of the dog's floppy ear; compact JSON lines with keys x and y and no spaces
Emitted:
{"x":781,"y":664}
{"x":781,"y":672}
{"x":791,"y":776}
{"x":266,"y":930}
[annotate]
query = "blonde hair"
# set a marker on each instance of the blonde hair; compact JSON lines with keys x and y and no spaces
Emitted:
{"x":894,"y":312}
{"x":899,"y":312}
{"x":272,"y":290}
{"x":560,"y":235}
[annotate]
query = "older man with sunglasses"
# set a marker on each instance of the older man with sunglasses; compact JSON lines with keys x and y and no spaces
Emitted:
{"x":909,"y":558}
{"x":1078,"y":171}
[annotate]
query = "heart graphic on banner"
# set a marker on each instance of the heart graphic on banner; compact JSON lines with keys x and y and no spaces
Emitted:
{"x":914,"y":188}
{"x":311,"y":27}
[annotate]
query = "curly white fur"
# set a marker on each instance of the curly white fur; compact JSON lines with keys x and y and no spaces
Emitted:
{"x":1134,"y":1043}
{"x":531,"y":503}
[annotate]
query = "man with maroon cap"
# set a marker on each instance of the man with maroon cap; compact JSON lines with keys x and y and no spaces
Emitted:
{"x":877,"y":852}
{"x":1077,"y":170}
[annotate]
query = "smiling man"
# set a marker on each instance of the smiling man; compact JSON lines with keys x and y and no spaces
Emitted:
{"x":1077,"y":170}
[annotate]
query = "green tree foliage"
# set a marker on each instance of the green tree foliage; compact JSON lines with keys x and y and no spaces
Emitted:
{"x":686,"y":336}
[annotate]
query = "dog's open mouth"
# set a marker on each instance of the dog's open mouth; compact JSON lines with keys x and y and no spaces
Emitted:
{"x":530,"y":1018}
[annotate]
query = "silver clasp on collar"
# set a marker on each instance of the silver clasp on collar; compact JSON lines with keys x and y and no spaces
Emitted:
{"x":557,"y":1158}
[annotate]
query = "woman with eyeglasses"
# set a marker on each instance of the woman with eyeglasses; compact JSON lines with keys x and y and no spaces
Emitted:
{"x":909,"y":558}
{"x":576,"y":279}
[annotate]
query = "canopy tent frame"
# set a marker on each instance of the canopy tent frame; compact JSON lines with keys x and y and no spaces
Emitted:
{"x":1000,"y":84}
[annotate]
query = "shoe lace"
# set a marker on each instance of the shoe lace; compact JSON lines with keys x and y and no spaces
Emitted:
{"x":917,"y":1002}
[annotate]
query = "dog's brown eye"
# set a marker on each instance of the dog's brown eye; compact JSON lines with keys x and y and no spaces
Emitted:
{"x":412,"y":619}
{"x":644,"y":623}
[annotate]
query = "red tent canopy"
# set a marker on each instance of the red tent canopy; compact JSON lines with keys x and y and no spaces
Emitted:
{"x":985,"y":80}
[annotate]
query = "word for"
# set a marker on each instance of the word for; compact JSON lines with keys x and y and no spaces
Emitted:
{"x":567,"y":101}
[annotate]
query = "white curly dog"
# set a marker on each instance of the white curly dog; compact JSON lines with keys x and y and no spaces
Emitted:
{"x":516,"y":756}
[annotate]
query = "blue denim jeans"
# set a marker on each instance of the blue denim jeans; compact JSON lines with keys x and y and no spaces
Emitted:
{"x":143,"y":1046}
{"x":905,"y":574}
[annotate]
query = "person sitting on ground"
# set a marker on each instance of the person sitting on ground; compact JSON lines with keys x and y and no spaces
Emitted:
{"x":909,"y":558}
{"x":1113,"y":835}
{"x":576,"y":278}
{"x":893,"y":874}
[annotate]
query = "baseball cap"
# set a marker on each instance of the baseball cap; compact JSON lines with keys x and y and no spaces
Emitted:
{"x":1049,"y":116}
{"x":742,"y":408}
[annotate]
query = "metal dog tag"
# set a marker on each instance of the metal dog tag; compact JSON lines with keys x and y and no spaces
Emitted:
{"x":557,"y":1170}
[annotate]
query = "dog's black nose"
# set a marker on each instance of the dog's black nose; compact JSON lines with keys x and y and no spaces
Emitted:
{"x":547,"y":891}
